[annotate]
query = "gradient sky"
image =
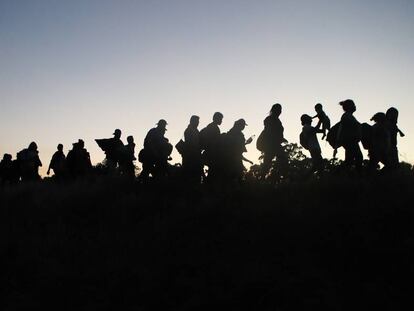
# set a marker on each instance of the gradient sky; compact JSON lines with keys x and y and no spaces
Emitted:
{"x":80,"y":69}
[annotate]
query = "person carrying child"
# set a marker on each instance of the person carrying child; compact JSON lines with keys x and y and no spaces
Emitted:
{"x":309,"y":141}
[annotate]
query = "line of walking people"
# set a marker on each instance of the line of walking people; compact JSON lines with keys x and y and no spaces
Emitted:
{"x":222,"y":153}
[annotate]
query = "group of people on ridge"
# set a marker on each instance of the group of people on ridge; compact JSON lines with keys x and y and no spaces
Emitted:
{"x":221,"y":152}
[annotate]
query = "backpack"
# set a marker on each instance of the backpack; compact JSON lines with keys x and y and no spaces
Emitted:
{"x":181,"y":147}
{"x":366,"y":135}
{"x":204,"y":138}
{"x":260,"y":142}
{"x":303,"y":140}
{"x":332,"y":135}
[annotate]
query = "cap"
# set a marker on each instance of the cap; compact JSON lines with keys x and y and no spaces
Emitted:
{"x":378,"y":117}
{"x":241,"y":122}
{"x":162,"y":122}
{"x":117,"y":131}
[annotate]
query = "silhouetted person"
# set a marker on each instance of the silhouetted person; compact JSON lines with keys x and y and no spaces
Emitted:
{"x":324,"y":120}
{"x":210,"y":141}
{"x":380,"y":145}
{"x":156,"y":152}
{"x":113,"y":148}
{"x":271,"y":139}
{"x":349,"y":135}
{"x":235,"y":146}
{"x":78,"y":160}
{"x":8,"y":172}
{"x":392,"y":124}
{"x":29,"y":163}
{"x":192,"y":164}
{"x":128,"y":157}
{"x":309,"y":141}
{"x":58,"y":162}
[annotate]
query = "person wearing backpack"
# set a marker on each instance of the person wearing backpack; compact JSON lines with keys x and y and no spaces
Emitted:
{"x":191,"y":153}
{"x":210,"y":142}
{"x":309,"y":141}
{"x":380,"y":142}
{"x":270,"y":140}
{"x":349,"y":135}
{"x":29,"y":163}
{"x":234,"y":145}
{"x":156,"y":153}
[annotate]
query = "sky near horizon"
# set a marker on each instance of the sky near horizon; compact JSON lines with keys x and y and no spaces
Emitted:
{"x":79,"y":69}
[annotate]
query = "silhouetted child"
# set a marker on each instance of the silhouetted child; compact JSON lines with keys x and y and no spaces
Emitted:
{"x":380,"y":147}
{"x":309,"y":141}
{"x":323,"y":119}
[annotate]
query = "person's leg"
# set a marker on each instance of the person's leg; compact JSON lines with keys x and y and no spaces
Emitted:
{"x":316,"y":160}
{"x":358,"y":157}
{"x":281,"y":160}
{"x":267,"y":163}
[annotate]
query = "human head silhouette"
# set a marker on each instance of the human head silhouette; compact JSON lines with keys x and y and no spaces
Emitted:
{"x":130,"y":139}
{"x":379,"y":117}
{"x":80,"y":143}
{"x":60,"y":147}
{"x":7,"y":157}
{"x":194,"y":121}
{"x":318,"y":107}
{"x":276,"y":109}
{"x":306,"y":119}
{"x":33,"y":146}
{"x":117,"y":133}
{"x":392,"y":115}
{"x":240,"y":124}
{"x":218,"y":118}
{"x":162,"y":124}
{"x":348,"y":105}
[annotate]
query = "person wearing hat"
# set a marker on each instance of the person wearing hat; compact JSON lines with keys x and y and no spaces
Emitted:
{"x":380,"y":146}
{"x":235,"y":146}
{"x":156,"y":152}
{"x":349,"y":135}
{"x":271,"y":139}
{"x":113,"y":148}
{"x":309,"y":141}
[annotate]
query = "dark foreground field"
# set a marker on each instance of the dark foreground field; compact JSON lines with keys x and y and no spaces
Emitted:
{"x":334,"y":244}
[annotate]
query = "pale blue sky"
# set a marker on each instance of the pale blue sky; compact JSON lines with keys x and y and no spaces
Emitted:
{"x":80,"y":69}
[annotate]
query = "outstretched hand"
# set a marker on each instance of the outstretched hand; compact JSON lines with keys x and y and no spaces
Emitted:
{"x":249,"y":140}
{"x":335,"y":152}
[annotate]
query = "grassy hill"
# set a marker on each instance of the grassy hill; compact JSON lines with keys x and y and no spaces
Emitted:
{"x":334,"y":243}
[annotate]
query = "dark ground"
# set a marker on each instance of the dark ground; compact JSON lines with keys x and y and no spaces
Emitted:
{"x":333,"y":244}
